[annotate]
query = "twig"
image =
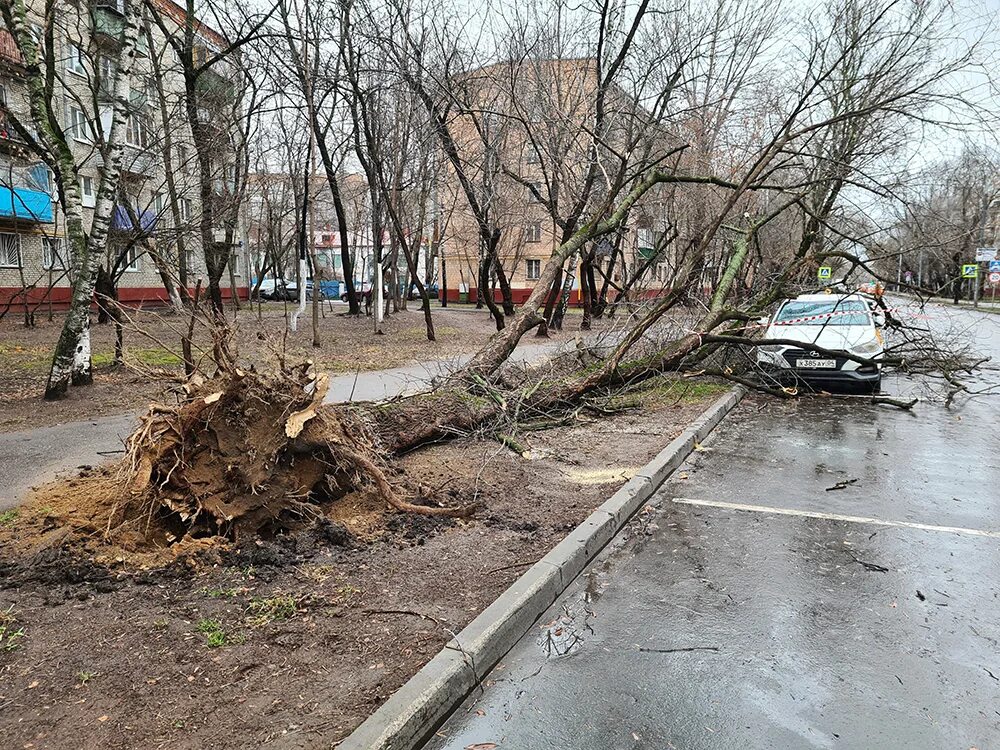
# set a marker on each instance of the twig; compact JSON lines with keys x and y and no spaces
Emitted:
{"x":714,"y":649}
{"x":508,"y":567}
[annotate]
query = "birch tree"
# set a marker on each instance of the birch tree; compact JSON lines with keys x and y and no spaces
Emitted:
{"x":47,"y":137}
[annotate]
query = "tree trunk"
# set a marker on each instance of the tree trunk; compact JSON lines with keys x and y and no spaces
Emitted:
{"x":485,"y":294}
{"x":505,"y":291}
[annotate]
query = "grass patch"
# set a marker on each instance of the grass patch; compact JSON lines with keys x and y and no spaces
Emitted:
{"x":8,"y":518}
{"x":153,"y":357}
{"x":220,"y":593}
{"x":671,"y":391}
{"x":26,"y":358}
{"x":10,"y":634}
{"x":84,"y":676}
{"x":101,"y":359}
{"x":264,"y":611}
{"x":215,"y":636}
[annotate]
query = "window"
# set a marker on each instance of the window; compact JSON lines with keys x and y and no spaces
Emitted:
{"x":534,"y":270}
{"x":75,"y":60}
{"x":234,"y":263}
{"x":87,"y":194}
{"x":10,"y":249}
{"x":135,"y":131}
{"x":184,"y":209}
{"x":533,"y":232}
{"x":132,"y":256}
{"x":107,"y":69}
{"x":53,"y":253}
{"x":534,"y":191}
{"x":79,"y":127}
{"x":836,"y":312}
{"x":106,"y":76}
{"x":182,"y":156}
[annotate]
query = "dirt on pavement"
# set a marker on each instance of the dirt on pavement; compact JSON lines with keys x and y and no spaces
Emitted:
{"x":291,"y":641}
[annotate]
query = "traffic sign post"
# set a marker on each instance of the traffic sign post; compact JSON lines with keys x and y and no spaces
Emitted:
{"x":986,"y":254}
{"x":825,"y":273}
{"x":971,"y":271}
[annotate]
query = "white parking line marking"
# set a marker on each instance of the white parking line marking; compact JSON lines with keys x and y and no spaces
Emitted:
{"x":834,"y":517}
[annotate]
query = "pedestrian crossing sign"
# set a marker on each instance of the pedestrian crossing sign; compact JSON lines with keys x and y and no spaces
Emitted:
{"x":970,"y":270}
{"x":825,"y":273}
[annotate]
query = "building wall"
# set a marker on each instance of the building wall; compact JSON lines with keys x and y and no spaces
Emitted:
{"x":546,"y":143}
{"x":83,"y":46}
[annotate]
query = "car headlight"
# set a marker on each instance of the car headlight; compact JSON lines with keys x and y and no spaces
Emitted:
{"x":870,"y":347}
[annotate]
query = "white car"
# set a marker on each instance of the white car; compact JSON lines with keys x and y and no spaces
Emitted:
{"x":273,"y":288}
{"x":840,"y":323}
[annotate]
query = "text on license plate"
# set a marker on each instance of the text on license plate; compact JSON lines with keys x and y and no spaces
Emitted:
{"x":814,"y":364}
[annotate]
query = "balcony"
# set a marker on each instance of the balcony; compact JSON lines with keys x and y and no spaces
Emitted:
{"x":10,"y":139}
{"x":109,"y":25}
{"x":23,"y":204}
{"x":144,"y":224}
{"x":216,"y":84}
{"x":11,"y":60}
{"x":138,"y":162}
{"x":138,"y":98}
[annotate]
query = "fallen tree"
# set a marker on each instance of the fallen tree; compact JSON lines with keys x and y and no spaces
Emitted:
{"x":245,"y":452}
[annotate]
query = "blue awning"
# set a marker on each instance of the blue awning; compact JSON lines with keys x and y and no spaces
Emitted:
{"x":29,"y":205}
{"x":121,"y":220}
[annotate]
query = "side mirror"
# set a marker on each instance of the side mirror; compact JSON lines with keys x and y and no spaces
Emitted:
{"x":764,"y":321}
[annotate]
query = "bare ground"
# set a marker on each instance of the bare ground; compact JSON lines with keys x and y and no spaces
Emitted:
{"x":291,"y":642}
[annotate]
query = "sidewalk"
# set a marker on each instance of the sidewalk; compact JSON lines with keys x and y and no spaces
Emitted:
{"x":31,"y":457}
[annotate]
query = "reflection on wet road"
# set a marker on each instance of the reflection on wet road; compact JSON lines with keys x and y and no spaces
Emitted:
{"x":825,"y":577}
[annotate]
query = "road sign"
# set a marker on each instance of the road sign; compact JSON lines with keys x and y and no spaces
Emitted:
{"x":995,"y":277}
{"x":984,"y":254}
{"x":825,"y":273}
{"x":995,"y":266}
{"x":970,"y":270}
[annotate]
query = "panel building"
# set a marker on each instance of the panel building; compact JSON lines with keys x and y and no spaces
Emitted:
{"x":155,"y":224}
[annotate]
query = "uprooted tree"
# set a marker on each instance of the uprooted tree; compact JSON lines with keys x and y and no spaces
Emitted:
{"x":243,"y":451}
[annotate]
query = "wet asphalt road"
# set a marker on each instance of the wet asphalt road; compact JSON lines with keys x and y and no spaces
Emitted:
{"x":753,"y":606}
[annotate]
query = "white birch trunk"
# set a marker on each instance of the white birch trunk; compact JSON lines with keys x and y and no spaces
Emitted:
{"x":71,"y":360}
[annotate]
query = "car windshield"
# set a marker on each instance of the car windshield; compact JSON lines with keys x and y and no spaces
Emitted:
{"x":831,"y":312}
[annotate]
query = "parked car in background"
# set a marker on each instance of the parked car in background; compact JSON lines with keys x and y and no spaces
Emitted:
{"x":361,"y":287}
{"x":326,"y":290}
{"x":271,"y":288}
{"x":844,"y":324}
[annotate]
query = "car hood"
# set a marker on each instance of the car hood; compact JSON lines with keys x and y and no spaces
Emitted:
{"x":840,"y":338}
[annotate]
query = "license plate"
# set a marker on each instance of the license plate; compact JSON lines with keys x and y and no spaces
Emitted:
{"x":815,"y":364}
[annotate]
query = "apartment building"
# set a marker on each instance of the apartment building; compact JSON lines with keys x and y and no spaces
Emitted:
{"x":524,"y":137}
{"x":154,"y":227}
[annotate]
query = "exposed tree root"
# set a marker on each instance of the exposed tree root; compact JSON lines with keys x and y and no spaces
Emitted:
{"x":243,"y":453}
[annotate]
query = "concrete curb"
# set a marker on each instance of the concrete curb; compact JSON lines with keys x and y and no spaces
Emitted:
{"x":414,"y":712}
